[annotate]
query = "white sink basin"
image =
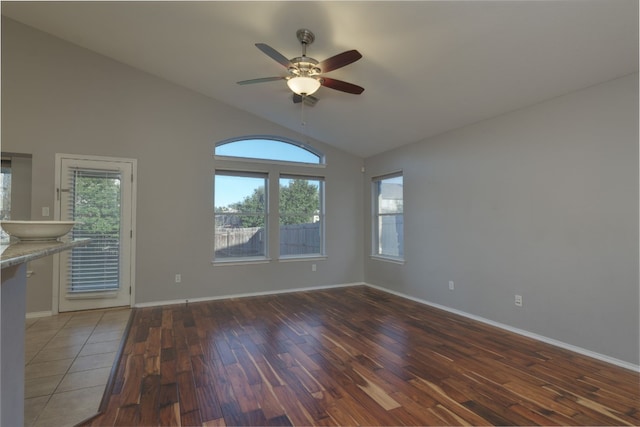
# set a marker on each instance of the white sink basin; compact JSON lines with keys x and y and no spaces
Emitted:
{"x":37,"y":230}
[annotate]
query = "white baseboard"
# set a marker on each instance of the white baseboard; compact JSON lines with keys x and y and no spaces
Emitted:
{"x":35,"y":314}
{"x":245,"y":295}
{"x":561,"y":344}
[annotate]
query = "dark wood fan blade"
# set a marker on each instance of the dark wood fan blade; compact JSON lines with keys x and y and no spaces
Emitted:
{"x":262,"y":80}
{"x":339,"y":60}
{"x":274,"y":54}
{"x":342,"y":86}
{"x":308,"y":100}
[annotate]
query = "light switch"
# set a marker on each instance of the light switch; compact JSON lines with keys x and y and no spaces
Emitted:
{"x":45,"y":211}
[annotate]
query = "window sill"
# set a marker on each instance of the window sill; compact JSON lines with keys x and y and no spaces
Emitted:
{"x":302,"y":258}
{"x":399,"y":261}
{"x":240,"y":261}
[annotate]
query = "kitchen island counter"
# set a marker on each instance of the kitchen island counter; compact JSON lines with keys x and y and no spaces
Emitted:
{"x":13,"y":263}
{"x":21,"y":252}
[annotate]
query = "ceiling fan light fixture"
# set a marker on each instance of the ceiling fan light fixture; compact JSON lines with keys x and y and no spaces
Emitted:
{"x":303,"y":85}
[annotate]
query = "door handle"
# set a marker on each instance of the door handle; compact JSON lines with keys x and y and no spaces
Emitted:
{"x":59,"y":190}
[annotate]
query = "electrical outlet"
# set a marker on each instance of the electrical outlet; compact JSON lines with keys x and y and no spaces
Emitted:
{"x":451,"y":285}
{"x":45,"y":211}
{"x":178,"y":278}
{"x":313,"y":267}
{"x":519,"y":300}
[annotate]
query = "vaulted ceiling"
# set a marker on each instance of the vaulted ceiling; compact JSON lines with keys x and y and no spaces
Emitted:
{"x":427,"y":66}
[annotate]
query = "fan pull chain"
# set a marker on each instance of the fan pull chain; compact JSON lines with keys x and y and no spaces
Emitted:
{"x":302,"y":122}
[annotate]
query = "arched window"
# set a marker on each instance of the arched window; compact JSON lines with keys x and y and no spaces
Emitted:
{"x":269,"y":148}
{"x":262,"y":184}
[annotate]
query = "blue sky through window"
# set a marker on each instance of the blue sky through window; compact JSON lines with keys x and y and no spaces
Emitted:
{"x":230,"y":189}
{"x":267,"y":149}
{"x":234,"y":189}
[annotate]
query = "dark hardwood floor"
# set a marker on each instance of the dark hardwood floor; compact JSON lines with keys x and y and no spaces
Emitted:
{"x":351,"y":356}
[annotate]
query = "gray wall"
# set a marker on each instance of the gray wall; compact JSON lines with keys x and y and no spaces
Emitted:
{"x":60,"y":98}
{"x":20,"y":188}
{"x":541,"y":202}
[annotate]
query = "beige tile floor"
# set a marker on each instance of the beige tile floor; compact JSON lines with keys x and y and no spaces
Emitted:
{"x":68,"y":358}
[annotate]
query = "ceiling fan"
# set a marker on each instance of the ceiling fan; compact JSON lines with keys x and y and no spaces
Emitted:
{"x":304,"y":73}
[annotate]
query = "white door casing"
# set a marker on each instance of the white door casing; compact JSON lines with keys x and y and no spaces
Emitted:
{"x":99,"y":192}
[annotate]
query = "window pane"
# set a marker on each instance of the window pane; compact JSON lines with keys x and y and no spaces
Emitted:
{"x":301,"y":216}
{"x":240,"y":193}
{"x":391,"y":236}
{"x":267,"y":149}
{"x":388,"y":223}
{"x":390,"y":195}
{"x":95,"y":204}
{"x":240,"y":215}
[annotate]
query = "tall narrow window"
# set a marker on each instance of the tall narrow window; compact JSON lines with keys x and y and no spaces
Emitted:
{"x":240,"y":201}
{"x":301,"y":216}
{"x":388,"y":216}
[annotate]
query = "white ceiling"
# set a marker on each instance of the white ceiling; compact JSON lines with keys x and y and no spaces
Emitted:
{"x":427,"y":66}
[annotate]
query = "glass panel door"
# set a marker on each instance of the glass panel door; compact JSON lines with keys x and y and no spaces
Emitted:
{"x":97,"y":195}
{"x":95,"y":202}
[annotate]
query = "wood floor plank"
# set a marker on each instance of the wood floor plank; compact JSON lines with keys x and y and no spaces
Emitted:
{"x":267,"y":401}
{"x":186,"y":393}
{"x":128,"y":415}
{"x":344,"y":409}
{"x":214,"y":423}
{"x":248,"y":366}
{"x":351,"y":356}
{"x":201,"y":371}
{"x":341,"y":417}
{"x":168,"y":395}
{"x":418,"y":407}
{"x":169,"y":415}
{"x":131,"y":387}
{"x":150,"y":400}
{"x":292,"y":406}
{"x":208,"y":403}
{"x":191,"y":418}
{"x":241,"y":388}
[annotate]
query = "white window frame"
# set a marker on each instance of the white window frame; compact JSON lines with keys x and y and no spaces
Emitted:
{"x":274,"y":169}
{"x":376,"y":214}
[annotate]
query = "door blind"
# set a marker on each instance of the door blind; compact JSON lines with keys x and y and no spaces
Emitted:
{"x":95,"y":204}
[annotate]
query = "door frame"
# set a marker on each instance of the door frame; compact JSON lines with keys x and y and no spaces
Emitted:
{"x":55,"y":300}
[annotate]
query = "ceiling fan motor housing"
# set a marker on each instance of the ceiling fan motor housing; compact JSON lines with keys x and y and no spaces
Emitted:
{"x":304,"y":66}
